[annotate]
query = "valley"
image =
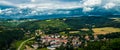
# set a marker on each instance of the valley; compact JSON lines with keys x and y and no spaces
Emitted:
{"x":84,"y":29}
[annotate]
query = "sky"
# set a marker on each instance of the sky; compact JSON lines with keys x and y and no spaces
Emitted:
{"x":87,"y":5}
{"x":109,"y":6}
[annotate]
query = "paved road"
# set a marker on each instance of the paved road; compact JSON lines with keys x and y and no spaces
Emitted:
{"x":24,"y":43}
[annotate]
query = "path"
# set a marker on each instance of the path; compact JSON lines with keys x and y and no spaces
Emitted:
{"x":24,"y":43}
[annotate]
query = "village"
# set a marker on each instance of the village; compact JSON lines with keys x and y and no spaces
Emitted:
{"x":58,"y":42}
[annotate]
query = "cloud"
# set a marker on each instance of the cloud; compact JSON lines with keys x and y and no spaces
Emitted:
{"x":53,"y":4}
{"x":49,"y":7}
{"x":109,"y":5}
{"x":91,"y":3}
{"x":97,"y":5}
{"x":0,"y":11}
{"x":87,"y":9}
{"x":88,"y":5}
{"x":33,"y":0}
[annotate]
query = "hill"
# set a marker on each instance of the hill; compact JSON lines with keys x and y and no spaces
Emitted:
{"x":73,"y":23}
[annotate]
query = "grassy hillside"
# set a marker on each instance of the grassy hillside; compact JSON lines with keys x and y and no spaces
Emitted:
{"x":73,"y":23}
{"x":49,"y":26}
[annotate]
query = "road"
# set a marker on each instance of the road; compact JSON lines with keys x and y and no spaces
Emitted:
{"x":24,"y":43}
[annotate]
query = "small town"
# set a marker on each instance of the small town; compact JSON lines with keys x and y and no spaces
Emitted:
{"x":57,"y":41}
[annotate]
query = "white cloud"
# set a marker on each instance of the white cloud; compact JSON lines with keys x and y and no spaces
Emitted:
{"x":58,"y":4}
{"x":109,"y":5}
{"x":33,"y":0}
{"x":87,"y":9}
{"x":91,"y":3}
{"x":51,"y":5}
{"x":0,"y":11}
